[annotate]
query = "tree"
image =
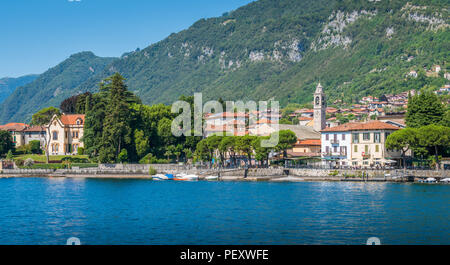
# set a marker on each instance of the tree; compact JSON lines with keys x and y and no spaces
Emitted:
{"x":424,"y":109}
{"x":228,"y":145}
{"x":170,"y":151}
{"x":6,"y":142}
{"x":213,"y":143}
{"x":202,"y":151}
{"x":287,"y":139}
{"x":141,"y":142}
{"x":403,"y":140}
{"x":244,"y":145}
{"x":44,"y":116}
{"x":177,"y":151}
{"x":69,"y":105}
{"x":117,"y":130}
{"x":261,"y":153}
{"x":435,"y":137}
{"x":93,"y":124}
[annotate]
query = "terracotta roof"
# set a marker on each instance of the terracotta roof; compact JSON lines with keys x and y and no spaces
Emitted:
{"x":71,"y":119}
{"x":359,"y":126}
{"x":35,"y":129}
{"x":309,"y":142}
{"x":13,"y":127}
{"x":305,"y":119}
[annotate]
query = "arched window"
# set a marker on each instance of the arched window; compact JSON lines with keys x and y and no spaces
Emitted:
{"x":317,"y":100}
{"x":55,"y":135}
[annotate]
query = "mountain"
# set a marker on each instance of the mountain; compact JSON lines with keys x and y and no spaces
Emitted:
{"x":51,"y":87}
{"x":8,"y":84}
{"x":281,"y":48}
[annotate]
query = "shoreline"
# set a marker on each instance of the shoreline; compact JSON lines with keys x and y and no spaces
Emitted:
{"x":275,"y":178}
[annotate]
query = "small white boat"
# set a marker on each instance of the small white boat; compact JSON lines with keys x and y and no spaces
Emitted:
{"x":430,"y":180}
{"x":212,"y":178}
{"x":185,"y":177}
{"x":160,"y":177}
{"x":446,"y":180}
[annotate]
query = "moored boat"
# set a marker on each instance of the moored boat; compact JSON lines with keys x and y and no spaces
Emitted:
{"x":212,"y":178}
{"x":160,"y":177}
{"x":185,"y":177}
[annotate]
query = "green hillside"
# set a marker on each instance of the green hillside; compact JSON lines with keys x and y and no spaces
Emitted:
{"x":9,"y":84}
{"x":50,"y":88}
{"x":281,"y":48}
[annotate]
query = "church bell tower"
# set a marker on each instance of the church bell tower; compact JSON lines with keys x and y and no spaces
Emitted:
{"x":320,"y":107}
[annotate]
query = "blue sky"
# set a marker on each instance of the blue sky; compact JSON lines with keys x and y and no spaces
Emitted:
{"x":39,"y":34}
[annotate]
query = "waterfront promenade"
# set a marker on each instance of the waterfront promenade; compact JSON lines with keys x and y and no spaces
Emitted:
{"x":134,"y":171}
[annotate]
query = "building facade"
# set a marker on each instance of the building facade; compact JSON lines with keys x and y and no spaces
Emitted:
{"x":16,"y":131}
{"x":35,"y":133}
{"x":65,"y":134}
{"x":358,"y":144}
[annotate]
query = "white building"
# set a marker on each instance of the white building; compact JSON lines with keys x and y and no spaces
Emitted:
{"x":336,"y":144}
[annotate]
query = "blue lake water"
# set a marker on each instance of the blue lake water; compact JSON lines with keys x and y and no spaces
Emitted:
{"x":49,"y":211}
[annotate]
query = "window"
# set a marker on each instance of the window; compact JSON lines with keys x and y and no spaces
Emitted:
{"x":386,"y":134}
{"x":335,"y":149}
{"x":356,"y":138}
{"x":335,"y":137}
{"x":343,"y":137}
{"x":327,"y":137}
{"x":377,"y":148}
{"x":377,"y":137}
{"x":55,"y":136}
{"x":355,"y":149}
{"x":327,"y":149}
{"x":366,"y":149}
{"x":366,"y":136}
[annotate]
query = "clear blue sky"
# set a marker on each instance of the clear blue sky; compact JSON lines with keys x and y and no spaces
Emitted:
{"x":39,"y":34}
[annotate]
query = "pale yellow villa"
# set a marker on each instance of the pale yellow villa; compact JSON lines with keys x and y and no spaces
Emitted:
{"x":65,"y":134}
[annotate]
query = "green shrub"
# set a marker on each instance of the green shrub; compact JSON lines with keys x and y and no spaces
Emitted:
{"x":75,"y":160}
{"x":123,"y":156}
{"x":80,"y":151}
{"x":334,"y":173}
{"x":19,"y":162}
{"x":35,"y":147}
{"x":150,"y":159}
{"x":152,"y":171}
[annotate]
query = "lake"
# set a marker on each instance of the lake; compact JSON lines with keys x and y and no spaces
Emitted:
{"x":99,"y":211}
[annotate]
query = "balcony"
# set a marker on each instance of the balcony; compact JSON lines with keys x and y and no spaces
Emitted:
{"x":334,"y":142}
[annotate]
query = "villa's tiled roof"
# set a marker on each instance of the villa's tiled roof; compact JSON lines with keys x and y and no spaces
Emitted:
{"x":16,"y":127}
{"x":71,"y":119}
{"x":360,"y":126}
{"x":35,"y":129}
{"x":309,"y":142}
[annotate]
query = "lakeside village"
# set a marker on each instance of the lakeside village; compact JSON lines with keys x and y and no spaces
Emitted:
{"x":364,"y":136}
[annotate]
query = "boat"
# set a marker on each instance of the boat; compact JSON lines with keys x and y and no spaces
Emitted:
{"x":160,"y":177}
{"x":446,"y":180}
{"x":169,"y":176}
{"x":185,"y":177}
{"x":430,"y":180}
{"x":212,"y":178}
